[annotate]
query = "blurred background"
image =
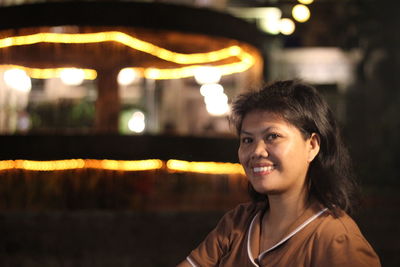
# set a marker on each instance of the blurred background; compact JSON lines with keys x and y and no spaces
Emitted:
{"x":115,"y":145}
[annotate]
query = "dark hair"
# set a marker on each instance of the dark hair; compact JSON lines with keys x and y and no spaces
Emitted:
{"x":330,"y":177}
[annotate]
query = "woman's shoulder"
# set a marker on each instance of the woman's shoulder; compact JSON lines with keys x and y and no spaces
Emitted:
{"x":340,"y":230}
{"x":341,"y":241}
{"x":338,"y":224}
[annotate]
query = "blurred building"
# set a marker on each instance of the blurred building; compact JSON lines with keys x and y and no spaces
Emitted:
{"x":93,"y":95}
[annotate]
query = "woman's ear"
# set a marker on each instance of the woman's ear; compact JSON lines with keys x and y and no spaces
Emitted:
{"x":314,"y":145}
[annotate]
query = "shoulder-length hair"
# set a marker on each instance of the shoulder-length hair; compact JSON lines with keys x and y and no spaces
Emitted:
{"x":330,"y":177}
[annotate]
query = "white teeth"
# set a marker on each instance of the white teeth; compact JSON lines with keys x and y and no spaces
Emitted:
{"x":263,"y":169}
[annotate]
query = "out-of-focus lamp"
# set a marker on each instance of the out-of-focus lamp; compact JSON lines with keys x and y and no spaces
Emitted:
{"x":286,"y":26}
{"x":211,"y":89}
{"x":218,"y":109}
{"x":301,"y":13}
{"x":72,"y":76}
{"x":270,"y":20}
{"x":207,"y":75}
{"x":305,"y":2}
{"x":217,"y":103}
{"x":18,"y":80}
{"x":216,"y":99}
{"x":137,"y":122}
{"x":127,"y":76}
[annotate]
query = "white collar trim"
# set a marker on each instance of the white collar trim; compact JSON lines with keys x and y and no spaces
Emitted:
{"x":295,"y":231}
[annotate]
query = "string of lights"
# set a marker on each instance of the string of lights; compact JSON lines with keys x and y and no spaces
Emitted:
{"x":246,"y":60}
{"x":48,"y":73}
{"x":125,"y":39}
{"x":124,"y":165}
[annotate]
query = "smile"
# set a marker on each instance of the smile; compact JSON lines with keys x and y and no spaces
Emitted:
{"x":263,"y":169}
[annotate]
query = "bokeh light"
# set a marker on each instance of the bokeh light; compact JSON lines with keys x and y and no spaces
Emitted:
{"x":207,"y":74}
{"x":127,"y":76}
{"x":305,"y":2}
{"x":137,"y":122}
{"x":270,"y":20}
{"x":301,"y":13}
{"x":286,"y":26}
{"x":211,"y":89}
{"x":72,"y":76}
{"x":18,"y":80}
{"x":217,"y":104}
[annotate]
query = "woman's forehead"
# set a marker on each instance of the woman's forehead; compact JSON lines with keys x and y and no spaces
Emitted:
{"x":264,"y":117}
{"x":260,"y":115}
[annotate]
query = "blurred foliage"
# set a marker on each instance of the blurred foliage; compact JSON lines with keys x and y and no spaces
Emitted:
{"x":63,"y":115}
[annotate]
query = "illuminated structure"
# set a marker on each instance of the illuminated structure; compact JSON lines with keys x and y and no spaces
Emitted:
{"x":246,"y":60}
{"x":157,"y":41}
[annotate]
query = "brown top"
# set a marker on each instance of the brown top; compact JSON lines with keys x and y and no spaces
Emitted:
{"x":316,"y":238}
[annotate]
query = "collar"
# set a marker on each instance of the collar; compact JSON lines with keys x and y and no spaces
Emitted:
{"x":253,"y":235}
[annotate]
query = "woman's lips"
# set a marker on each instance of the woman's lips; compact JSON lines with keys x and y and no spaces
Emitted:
{"x":261,"y":170}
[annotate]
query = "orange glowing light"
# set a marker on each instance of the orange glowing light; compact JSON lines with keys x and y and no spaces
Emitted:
{"x":124,"y":165}
{"x":205,"y":167}
{"x":125,"y":39}
{"x":246,"y":60}
{"x":37,"y":73}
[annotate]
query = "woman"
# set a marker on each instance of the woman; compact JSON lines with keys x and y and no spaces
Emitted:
{"x":300,"y":183}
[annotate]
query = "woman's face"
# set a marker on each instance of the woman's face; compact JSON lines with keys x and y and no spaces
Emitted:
{"x":275,"y":154}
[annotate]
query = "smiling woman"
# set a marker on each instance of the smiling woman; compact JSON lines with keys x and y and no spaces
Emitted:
{"x":274,"y":153}
{"x":301,"y":184}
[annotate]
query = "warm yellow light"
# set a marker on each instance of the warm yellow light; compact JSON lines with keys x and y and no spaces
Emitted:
{"x":205,"y":167}
{"x":287,"y":26}
{"x":127,"y":40}
{"x":139,"y":165}
{"x":301,"y":13}
{"x":305,"y":2}
{"x":37,"y":73}
{"x":184,"y":72}
{"x":245,"y":62}
{"x":124,"y":165}
{"x":148,"y":73}
{"x":7,"y":164}
{"x":58,"y":165}
{"x":53,"y":165}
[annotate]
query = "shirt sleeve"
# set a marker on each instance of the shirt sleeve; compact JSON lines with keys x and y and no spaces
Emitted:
{"x":348,"y":250}
{"x":215,"y":245}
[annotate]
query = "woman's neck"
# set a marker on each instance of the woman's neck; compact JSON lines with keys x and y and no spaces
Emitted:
{"x":282,"y":213}
{"x":285,"y":208}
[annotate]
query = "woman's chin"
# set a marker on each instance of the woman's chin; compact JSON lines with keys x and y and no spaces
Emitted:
{"x":266,"y":189}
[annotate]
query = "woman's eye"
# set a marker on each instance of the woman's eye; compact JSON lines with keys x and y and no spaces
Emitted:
{"x":246,"y":140}
{"x":272,"y":136}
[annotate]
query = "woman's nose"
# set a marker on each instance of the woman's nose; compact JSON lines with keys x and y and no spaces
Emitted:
{"x":260,"y":150}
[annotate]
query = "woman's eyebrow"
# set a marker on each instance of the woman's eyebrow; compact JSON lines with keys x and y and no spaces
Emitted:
{"x":268,"y":129}
{"x":245,"y":132}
